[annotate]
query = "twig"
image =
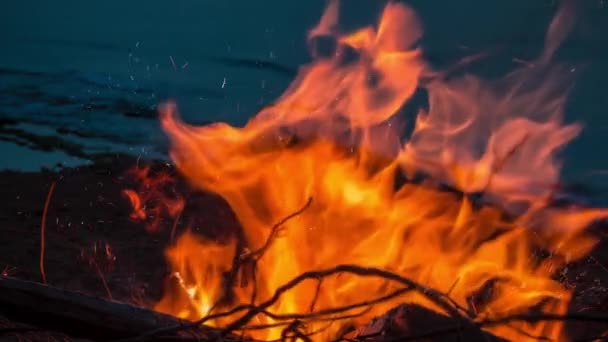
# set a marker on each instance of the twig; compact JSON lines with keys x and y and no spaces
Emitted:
{"x":432,"y":295}
{"x":316,"y":297}
{"x":323,"y":319}
{"x":253,"y":310}
{"x":252,"y":258}
{"x":528,"y":335}
{"x":294,"y":328}
{"x":257,"y":254}
{"x":42,"y":230}
{"x":331,"y":311}
{"x":452,"y":287}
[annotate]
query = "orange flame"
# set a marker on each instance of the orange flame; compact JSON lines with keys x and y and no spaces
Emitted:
{"x":335,"y":136}
{"x":154,"y":198}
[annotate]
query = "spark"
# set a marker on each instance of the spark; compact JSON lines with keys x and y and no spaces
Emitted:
{"x":175,"y":222}
{"x":103,"y":280}
{"x":42,"y":230}
{"x":8,"y":271}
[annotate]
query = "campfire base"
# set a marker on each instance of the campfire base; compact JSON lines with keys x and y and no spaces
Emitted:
{"x":412,"y":322}
{"x":50,"y":309}
{"x":79,"y":315}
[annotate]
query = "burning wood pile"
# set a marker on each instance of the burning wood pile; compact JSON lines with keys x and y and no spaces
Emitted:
{"x":351,"y":231}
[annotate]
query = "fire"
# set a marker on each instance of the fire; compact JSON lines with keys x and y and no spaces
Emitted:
{"x":156,"y":197}
{"x":332,"y":149}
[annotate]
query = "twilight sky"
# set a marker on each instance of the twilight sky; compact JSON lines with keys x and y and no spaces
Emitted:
{"x":170,"y":46}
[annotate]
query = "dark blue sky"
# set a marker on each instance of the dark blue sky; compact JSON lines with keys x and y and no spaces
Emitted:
{"x":124,"y":40}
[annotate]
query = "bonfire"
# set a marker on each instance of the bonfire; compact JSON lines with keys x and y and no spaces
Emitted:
{"x":376,"y":195}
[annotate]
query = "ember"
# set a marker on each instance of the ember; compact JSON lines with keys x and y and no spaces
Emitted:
{"x":156,"y":197}
{"x":356,"y":234}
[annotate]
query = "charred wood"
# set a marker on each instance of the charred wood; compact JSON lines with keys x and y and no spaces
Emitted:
{"x":82,"y":316}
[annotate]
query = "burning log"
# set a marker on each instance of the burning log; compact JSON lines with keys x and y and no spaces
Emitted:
{"x":84,"y":316}
{"x":412,"y":322}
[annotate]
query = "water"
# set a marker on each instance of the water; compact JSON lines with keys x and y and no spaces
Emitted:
{"x":92,"y":73}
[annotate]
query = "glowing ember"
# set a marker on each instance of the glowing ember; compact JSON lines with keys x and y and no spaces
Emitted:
{"x":155,"y":197}
{"x":335,"y":136}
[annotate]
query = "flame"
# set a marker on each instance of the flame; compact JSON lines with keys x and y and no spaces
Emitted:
{"x":155,"y":198}
{"x":336,"y":136}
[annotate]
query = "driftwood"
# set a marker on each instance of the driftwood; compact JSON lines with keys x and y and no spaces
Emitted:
{"x":80,"y":315}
